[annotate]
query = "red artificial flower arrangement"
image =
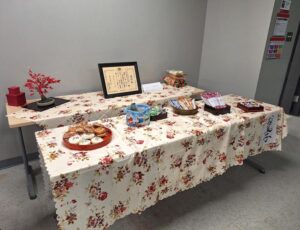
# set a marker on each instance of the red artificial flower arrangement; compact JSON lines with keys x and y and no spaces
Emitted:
{"x":42,"y":84}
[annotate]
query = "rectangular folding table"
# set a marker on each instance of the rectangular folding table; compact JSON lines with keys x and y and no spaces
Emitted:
{"x":87,"y":106}
{"x":141,"y":166}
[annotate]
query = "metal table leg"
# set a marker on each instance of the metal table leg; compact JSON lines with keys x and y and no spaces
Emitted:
{"x":255,"y":165}
{"x":28,"y":169}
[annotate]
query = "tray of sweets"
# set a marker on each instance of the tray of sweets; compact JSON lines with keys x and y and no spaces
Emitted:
{"x":84,"y":137}
{"x":250,"y":106}
{"x":158,"y":113}
{"x":184,"y":106}
{"x":217,"y":111}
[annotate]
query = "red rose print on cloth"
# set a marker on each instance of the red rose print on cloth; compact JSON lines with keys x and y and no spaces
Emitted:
{"x":201,"y":141}
{"x":43,"y":133}
{"x":187,"y":144}
{"x":222,"y":157}
{"x":187,"y":179}
{"x":150,"y":190}
{"x":170,"y":134}
{"x":62,"y":186}
{"x":139,"y":142}
{"x":81,"y":156}
{"x":106,"y":161}
{"x":208,"y":153}
{"x":71,"y":218}
{"x":118,"y":210}
{"x":163,"y":180}
{"x":157,"y":155}
{"x":176,"y":162}
{"x":212,"y":170}
{"x":104,"y":165}
{"x":122,"y":171}
{"x":141,"y":160}
{"x":219,"y":133}
{"x":190,"y":160}
{"x":138,"y":178}
{"x":197,"y":132}
{"x":77,"y":117}
{"x":96,"y":192}
{"x":97,"y":221}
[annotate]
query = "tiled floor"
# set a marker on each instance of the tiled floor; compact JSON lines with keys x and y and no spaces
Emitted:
{"x":242,"y":198}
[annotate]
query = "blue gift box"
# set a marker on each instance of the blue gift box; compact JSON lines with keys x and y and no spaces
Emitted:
{"x":138,"y":118}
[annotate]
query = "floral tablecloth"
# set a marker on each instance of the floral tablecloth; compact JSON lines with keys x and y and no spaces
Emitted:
{"x":141,"y":166}
{"x":93,"y":106}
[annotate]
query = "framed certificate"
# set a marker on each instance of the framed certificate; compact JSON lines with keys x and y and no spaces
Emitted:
{"x":120,"y":79}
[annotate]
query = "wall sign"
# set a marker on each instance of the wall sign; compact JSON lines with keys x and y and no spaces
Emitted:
{"x":281,"y":24}
{"x":278,"y":38}
{"x":286,"y":4}
{"x":120,"y":79}
{"x":280,"y":27}
{"x":275,"y":47}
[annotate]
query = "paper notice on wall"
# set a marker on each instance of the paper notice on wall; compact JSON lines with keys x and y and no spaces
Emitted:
{"x":275,"y":47}
{"x":269,"y":129}
{"x":286,"y":4}
{"x":280,"y":26}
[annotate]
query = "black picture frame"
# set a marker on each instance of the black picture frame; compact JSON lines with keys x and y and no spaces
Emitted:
{"x":116,"y":65}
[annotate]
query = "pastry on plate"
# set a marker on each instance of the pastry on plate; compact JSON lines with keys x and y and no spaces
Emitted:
{"x":84,"y":142}
{"x":100,"y":131}
{"x":96,"y":140}
{"x":75,"y":139}
{"x":85,"y":134}
{"x":88,"y":135}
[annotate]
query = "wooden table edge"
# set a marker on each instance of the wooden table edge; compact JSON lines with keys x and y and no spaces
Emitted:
{"x":14,"y":122}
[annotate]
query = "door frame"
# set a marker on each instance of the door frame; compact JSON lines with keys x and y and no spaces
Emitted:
{"x":292,"y":76}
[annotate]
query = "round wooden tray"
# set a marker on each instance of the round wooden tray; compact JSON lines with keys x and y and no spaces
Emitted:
{"x":105,"y":141}
{"x":185,"y":112}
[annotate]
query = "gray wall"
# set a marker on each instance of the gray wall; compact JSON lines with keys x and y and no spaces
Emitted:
{"x":67,"y":38}
{"x":273,"y":72}
{"x":233,"y":45}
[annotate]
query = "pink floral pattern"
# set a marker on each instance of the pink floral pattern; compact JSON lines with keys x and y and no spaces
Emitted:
{"x":92,"y":189}
{"x":61,"y":187}
{"x":96,"y":192}
{"x":96,"y":221}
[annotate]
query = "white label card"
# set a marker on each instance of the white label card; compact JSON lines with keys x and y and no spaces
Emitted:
{"x":152,"y":87}
{"x":269,"y":129}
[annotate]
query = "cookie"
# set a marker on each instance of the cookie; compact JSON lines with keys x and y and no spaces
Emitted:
{"x":100,"y":131}
{"x":88,"y":129}
{"x":97,"y":125}
{"x":79,"y":130}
